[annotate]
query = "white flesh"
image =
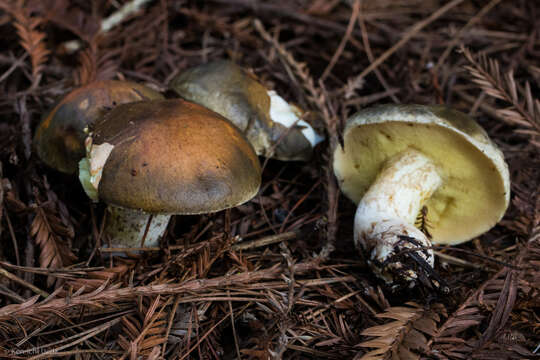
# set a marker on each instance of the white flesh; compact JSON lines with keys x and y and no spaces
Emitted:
{"x":91,"y":167}
{"x":285,"y":114}
{"x":389,"y":209}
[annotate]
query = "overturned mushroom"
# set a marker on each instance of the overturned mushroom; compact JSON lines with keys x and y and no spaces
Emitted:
{"x":59,"y":138}
{"x":397,"y":160}
{"x":261,"y":114}
{"x":161,"y":158}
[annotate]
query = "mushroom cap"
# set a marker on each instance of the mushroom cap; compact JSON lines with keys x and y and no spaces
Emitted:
{"x":174,"y":157}
{"x":227,"y":89}
{"x":59,"y":138}
{"x":476,"y":186}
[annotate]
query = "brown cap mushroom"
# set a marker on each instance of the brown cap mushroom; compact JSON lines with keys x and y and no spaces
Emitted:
{"x":261,"y":114}
{"x":166,"y":157}
{"x":59,"y":138}
{"x":398,"y":159}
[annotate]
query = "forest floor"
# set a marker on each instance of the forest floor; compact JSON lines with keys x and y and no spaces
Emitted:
{"x":300,"y":290}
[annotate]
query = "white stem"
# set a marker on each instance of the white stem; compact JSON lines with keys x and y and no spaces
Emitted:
{"x":126,"y":227}
{"x":388,"y":210}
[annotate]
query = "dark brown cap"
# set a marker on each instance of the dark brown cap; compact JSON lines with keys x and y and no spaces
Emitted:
{"x":59,"y":138}
{"x":175,"y":157}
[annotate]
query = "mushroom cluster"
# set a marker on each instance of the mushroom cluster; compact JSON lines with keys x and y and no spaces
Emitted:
{"x":146,"y":157}
{"x":149,"y":158}
{"x":399,"y":159}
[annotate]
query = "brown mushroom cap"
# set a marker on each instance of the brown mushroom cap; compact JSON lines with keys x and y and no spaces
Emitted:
{"x":476,"y":187}
{"x":174,"y":157}
{"x":59,"y":138}
{"x":227,"y":89}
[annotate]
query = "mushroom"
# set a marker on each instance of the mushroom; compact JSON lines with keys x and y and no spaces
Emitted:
{"x":400,"y":159}
{"x":165,"y":157}
{"x":261,"y":114}
{"x":59,"y":138}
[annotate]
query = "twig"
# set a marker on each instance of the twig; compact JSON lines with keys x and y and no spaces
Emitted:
{"x":13,"y":236}
{"x":235,"y":336}
{"x":118,"y":294}
{"x":264,"y":241}
{"x":18,"y":280}
{"x":486,"y":74}
{"x":298,"y":203}
{"x":456,"y":261}
{"x":170,"y":323}
{"x":316,"y":353}
{"x":408,"y":35}
{"x":368,"y":99}
{"x":150,"y":217}
{"x":489,"y":110}
{"x":88,"y":335}
{"x":68,"y":354}
{"x":344,"y":39}
{"x":13,"y":66}
{"x":286,"y":12}
{"x":47,"y":271}
{"x":369,"y":53}
{"x":79,"y":326}
{"x":148,"y":325}
{"x":203,"y":337}
{"x":11,"y":294}
{"x":457,"y":37}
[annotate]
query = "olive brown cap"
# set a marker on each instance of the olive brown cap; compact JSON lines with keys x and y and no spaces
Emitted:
{"x":475,"y":188}
{"x":174,"y":157}
{"x":227,"y":89}
{"x":59,"y":138}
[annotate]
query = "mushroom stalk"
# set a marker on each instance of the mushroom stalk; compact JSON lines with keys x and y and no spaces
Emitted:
{"x":385,"y":218}
{"x":126,"y":227}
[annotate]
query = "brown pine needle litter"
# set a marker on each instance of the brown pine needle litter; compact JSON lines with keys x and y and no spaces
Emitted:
{"x":277,"y":277}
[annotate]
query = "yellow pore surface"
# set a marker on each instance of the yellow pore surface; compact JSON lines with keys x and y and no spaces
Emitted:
{"x":469,"y":202}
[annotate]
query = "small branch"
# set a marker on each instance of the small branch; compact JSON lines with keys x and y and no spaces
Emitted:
{"x":11,"y":294}
{"x":368,"y":99}
{"x":344,"y":40}
{"x":369,"y":53}
{"x":89,"y":334}
{"x":235,"y":336}
{"x":456,"y":261}
{"x":264,"y":241}
{"x":486,"y":74}
{"x":457,"y":37}
{"x":20,"y":281}
{"x":415,"y":29}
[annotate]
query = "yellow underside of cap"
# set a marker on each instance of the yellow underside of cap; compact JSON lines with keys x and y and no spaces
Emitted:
{"x":472,"y":198}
